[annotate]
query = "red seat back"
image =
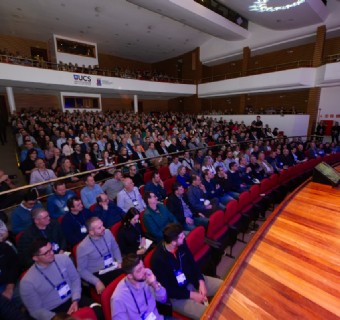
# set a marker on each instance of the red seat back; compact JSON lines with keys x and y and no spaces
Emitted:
{"x":164,"y":173}
{"x":216,"y":228}
{"x":106,"y":296}
{"x":147,"y":258}
{"x":115,"y":227}
{"x":84,"y":313}
{"x":230,"y":213}
{"x":196,"y":244}
{"x":168,"y":185}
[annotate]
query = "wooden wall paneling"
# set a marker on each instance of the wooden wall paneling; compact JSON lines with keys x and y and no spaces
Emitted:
{"x":107,"y":61}
{"x":20,"y":45}
{"x":36,"y":101}
{"x":332,"y":46}
{"x":293,"y":54}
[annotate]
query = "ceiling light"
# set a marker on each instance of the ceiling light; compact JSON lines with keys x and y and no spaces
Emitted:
{"x":261,"y":6}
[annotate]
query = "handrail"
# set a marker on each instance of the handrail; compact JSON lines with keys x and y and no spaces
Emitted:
{"x":332,"y":58}
{"x":27,"y":62}
{"x":132,"y":162}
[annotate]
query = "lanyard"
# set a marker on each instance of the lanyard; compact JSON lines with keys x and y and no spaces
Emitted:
{"x":179,"y":258}
{"x":77,"y":220}
{"x":134,"y":299}
{"x":108,"y":250}
{"x":129,"y":195}
{"x":44,"y":178}
{"x":48,"y":280}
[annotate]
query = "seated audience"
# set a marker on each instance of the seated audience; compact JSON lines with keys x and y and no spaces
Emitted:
{"x":98,"y":256}
{"x":266,"y":167}
{"x":286,"y":159}
{"x":73,"y":223}
{"x":41,"y":174}
{"x":183,"y":178}
{"x":42,"y":226}
{"x":28,"y":165}
{"x":208,"y":163}
{"x":68,"y":170}
{"x":52,"y":284}
{"x":174,"y":166}
{"x":130,"y":236}
{"x":9,"y":199}
{"x":21,"y":217}
{"x":10,"y":268}
{"x":198,"y":199}
{"x":236,"y":181}
{"x":107,"y":211}
{"x":139,"y":155}
{"x":187,"y":161}
{"x":130,"y":197}
{"x":135,"y":176}
{"x":112,"y":186}
{"x":156,"y":217}
{"x":176,"y":269}
{"x":137,"y":293}
{"x":221,"y":178}
{"x":156,"y":186}
{"x":28,"y":146}
{"x":90,"y":192}
{"x":57,"y":202}
{"x":178,"y":205}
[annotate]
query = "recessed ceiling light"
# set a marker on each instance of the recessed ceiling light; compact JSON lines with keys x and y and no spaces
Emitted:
{"x":261,"y":6}
{"x":19,"y":9}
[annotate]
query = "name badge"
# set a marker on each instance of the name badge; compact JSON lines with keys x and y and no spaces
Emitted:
{"x":108,"y":261}
{"x":150,"y":316}
{"x":63,"y":290}
{"x":55,"y":247}
{"x":135,"y":203}
{"x":66,"y":209}
{"x":180,"y":277}
{"x":202,"y":200}
{"x":83,"y":229}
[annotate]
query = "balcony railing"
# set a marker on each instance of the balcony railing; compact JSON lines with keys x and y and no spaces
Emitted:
{"x":260,"y":70}
{"x":27,"y":62}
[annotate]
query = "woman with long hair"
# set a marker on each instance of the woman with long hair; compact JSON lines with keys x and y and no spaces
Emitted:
{"x":130,"y":235}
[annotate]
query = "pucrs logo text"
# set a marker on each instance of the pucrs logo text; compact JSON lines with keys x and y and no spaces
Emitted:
{"x":79,"y":77}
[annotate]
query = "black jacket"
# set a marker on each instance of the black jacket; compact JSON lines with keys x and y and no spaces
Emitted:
{"x":163,"y":264}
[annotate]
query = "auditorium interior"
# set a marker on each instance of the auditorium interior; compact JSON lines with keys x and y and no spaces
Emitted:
{"x":228,"y":81}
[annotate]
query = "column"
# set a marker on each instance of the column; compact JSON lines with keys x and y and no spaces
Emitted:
{"x":245,"y":64}
{"x":314,"y":93}
{"x":10,"y":98}
{"x":135,"y":103}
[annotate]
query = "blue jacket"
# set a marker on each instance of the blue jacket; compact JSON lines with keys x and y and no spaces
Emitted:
{"x":110,"y":216}
{"x":56,"y":204}
{"x":72,"y":224}
{"x":157,"y":190}
{"x":21,"y":218}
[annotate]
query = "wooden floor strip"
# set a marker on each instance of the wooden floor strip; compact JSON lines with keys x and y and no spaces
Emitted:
{"x":293,"y":270}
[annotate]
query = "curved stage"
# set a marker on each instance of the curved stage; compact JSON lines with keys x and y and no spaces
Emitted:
{"x":291,"y":268}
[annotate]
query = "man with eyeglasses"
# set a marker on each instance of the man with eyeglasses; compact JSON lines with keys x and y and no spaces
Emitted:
{"x":176,"y":269}
{"x":52,"y":285}
{"x":42,"y":226}
{"x":21,"y":217}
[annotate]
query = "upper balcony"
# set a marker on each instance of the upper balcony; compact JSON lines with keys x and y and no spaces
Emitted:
{"x":22,"y":72}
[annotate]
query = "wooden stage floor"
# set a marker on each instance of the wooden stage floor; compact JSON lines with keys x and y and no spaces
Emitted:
{"x":291,"y":268}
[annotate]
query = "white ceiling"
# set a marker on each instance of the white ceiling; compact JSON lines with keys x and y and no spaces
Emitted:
{"x":124,"y":29}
